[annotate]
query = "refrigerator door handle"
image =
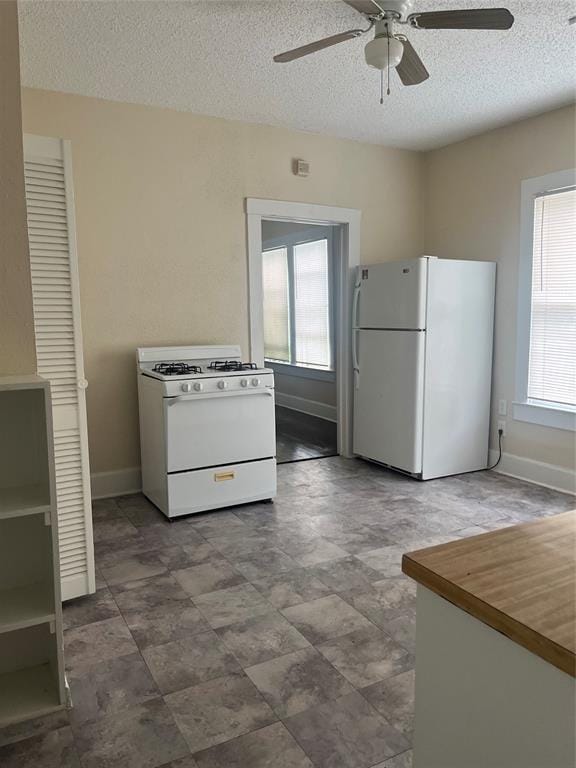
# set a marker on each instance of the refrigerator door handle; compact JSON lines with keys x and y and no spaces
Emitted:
{"x":355,"y":363}
{"x":355,"y":303}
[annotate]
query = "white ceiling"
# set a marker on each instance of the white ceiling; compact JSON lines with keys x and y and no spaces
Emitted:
{"x":214,"y":57}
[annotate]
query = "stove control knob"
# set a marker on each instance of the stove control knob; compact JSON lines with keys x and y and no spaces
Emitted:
{"x":186,"y":387}
{"x":243,"y":382}
{"x":255,"y":382}
{"x":222,"y":384}
{"x":198,"y":386}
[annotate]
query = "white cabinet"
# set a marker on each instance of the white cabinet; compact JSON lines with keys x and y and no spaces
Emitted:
{"x":32,"y":679}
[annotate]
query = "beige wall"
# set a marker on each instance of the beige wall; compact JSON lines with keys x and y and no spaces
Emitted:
{"x":309,"y":389}
{"x":17,"y":344}
{"x":162,"y":241}
{"x":162,"y":233}
{"x":472,"y":194}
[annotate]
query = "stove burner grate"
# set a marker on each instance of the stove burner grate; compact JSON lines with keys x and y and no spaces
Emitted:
{"x":231,"y":365}
{"x":176,"y":369}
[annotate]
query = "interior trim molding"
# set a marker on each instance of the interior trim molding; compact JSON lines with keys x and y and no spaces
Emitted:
{"x":548,"y":475}
{"x":119,"y":482}
{"x":529,"y":189}
{"x":311,"y":407}
{"x":347,"y":249}
{"x":558,"y":418}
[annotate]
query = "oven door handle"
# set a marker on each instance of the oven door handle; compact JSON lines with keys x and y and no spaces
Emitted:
{"x":206,"y":395}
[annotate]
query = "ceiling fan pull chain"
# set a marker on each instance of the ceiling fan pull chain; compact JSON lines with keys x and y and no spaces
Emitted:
{"x":381,"y":86}
{"x":388,"y":67}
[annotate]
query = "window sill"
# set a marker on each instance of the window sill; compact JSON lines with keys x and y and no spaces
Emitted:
{"x":301,"y":371}
{"x":551,"y":415}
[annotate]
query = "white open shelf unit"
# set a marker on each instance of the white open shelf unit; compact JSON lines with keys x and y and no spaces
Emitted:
{"x":32,"y":681}
{"x":24,"y":500}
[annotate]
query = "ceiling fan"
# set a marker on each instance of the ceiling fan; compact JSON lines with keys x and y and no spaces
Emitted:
{"x":390,"y":49}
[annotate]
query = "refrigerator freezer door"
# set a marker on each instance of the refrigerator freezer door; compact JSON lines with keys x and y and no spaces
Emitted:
{"x":460,"y":326}
{"x":389,"y":398}
{"x":392,"y":295}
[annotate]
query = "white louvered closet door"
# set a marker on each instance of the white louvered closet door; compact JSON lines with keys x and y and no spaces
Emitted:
{"x":55,"y":289}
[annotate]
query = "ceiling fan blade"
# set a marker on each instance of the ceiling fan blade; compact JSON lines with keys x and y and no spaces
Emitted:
{"x":411,"y":69}
{"x":304,"y":50}
{"x":481,"y":18}
{"x":368,"y":7}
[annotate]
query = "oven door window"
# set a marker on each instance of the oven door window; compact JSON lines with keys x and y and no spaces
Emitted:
{"x":223,"y":429}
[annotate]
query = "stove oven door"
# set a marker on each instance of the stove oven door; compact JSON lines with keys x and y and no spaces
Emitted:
{"x":208,"y":430}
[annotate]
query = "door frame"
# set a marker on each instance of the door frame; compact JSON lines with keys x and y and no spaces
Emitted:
{"x":347,"y":244}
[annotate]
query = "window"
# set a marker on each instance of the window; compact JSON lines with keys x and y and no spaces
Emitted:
{"x":298,"y":304}
{"x":547,"y":311}
{"x":276,"y":305}
{"x":552,"y":370}
{"x":311,"y":304}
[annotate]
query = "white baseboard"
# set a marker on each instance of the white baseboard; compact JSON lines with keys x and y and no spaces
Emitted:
{"x":124,"y":481}
{"x":311,"y":407}
{"x":119,"y":482}
{"x":548,"y":475}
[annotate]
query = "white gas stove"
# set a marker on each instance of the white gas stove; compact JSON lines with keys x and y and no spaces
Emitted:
{"x":207,"y":428}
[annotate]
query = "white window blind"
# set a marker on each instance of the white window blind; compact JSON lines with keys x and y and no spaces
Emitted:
{"x":312,"y":304}
{"x":276,"y":305}
{"x":297,"y":304}
{"x":552,"y":368}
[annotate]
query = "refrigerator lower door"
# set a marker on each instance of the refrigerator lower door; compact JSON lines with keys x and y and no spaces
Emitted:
{"x":388,"y":398}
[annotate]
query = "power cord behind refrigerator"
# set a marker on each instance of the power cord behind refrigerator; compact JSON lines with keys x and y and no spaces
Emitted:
{"x":500,"y":433}
{"x":493,"y":466}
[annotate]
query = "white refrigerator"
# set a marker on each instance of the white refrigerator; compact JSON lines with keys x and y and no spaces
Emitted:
{"x":422,"y":354}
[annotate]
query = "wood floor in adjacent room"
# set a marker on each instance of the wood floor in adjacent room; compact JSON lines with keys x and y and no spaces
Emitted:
{"x":272,"y":635}
{"x":300,"y":436}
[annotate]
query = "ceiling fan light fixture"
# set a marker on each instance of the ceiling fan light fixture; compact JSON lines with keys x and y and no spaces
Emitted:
{"x":388,"y":50}
{"x":384,"y":52}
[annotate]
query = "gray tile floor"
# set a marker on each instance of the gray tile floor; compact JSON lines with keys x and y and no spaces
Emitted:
{"x":265,"y":636}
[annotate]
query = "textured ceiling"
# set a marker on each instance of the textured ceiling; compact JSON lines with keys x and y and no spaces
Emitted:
{"x":214,"y":57}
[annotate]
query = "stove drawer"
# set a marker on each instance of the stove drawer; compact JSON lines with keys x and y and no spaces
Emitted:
{"x":208,"y":430}
{"x":205,"y":489}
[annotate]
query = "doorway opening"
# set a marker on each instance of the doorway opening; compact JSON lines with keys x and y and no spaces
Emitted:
{"x":300,"y":307}
{"x":303,"y":257}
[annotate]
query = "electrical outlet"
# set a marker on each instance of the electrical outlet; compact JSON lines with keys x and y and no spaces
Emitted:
{"x":502,"y":407}
{"x":502,"y":426}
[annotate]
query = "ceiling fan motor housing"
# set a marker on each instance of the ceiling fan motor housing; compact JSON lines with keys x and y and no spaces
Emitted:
{"x":385,"y":50}
{"x":400,"y":7}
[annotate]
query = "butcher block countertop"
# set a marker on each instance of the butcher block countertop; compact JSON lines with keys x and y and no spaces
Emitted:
{"x":518,"y":580}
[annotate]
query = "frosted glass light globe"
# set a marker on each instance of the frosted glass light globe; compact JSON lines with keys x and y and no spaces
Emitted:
{"x":377,"y":55}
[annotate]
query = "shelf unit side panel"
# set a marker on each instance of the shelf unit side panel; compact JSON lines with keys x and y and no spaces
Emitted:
{"x":32,"y":680}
